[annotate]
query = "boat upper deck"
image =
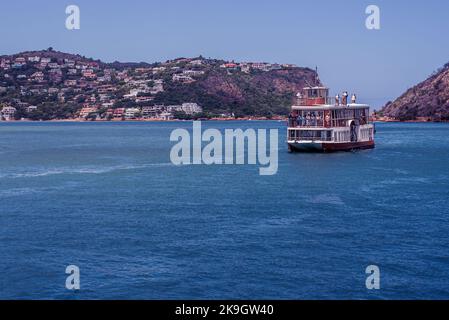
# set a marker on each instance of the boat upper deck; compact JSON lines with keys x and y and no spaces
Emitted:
{"x":330,"y":106}
{"x":317,"y":98}
{"x":315,"y":109}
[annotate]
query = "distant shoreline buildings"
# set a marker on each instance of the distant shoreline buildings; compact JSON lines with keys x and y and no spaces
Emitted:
{"x":51,"y":85}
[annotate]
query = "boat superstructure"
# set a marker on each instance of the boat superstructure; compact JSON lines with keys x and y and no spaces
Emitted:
{"x":319,"y":123}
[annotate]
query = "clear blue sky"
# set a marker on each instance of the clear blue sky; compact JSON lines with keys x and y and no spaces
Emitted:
{"x":330,"y":34}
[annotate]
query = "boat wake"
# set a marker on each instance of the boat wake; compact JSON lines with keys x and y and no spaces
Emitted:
{"x":82,"y":170}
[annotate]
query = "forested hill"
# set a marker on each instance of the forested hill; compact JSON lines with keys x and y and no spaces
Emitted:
{"x":58,"y":85}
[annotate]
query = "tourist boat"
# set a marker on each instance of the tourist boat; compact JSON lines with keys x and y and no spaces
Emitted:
{"x":319,"y":123}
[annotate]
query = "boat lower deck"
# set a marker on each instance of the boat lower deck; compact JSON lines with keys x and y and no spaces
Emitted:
{"x":329,"y":146}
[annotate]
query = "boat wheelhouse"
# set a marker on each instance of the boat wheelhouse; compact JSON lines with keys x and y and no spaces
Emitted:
{"x":319,"y":123}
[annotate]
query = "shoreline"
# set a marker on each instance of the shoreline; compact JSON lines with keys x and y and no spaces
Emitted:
{"x":144,"y":120}
{"x":409,"y":121}
{"x":278,"y":119}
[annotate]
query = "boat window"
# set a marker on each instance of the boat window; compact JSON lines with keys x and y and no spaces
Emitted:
{"x":310,"y":118}
{"x":321,"y":135}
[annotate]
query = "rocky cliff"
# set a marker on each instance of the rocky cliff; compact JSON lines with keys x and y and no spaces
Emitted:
{"x":427,"y":100}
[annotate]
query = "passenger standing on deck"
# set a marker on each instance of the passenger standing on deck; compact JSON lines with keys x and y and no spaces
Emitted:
{"x":353,"y":98}
{"x":300,"y":100}
{"x":337,"y":100}
{"x":319,"y":118}
{"x":313,"y":119}
{"x":345,"y":98}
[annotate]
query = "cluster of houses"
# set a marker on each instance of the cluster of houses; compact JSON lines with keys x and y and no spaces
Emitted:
{"x":67,"y":80}
{"x":247,"y":67}
{"x":155,"y":112}
{"x":93,"y":85}
{"x":7,"y":113}
{"x":30,"y":79}
{"x":48,"y":69}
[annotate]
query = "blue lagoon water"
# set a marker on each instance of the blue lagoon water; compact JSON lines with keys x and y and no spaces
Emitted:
{"x":105,"y":197}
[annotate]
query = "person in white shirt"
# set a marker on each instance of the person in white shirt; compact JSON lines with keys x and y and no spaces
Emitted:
{"x":353,"y":98}
{"x":345,"y":98}
{"x":337,"y":100}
